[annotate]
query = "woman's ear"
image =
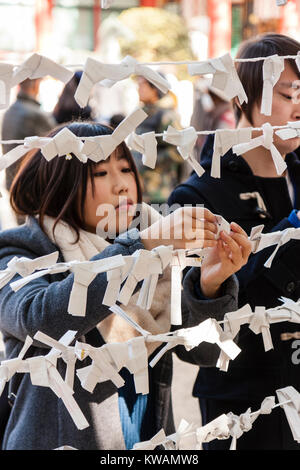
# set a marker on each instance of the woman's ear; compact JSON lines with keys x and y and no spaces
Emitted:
{"x":236,"y":102}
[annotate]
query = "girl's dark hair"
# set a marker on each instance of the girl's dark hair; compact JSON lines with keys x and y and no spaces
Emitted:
{"x":250,"y":73}
{"x":58,"y":188}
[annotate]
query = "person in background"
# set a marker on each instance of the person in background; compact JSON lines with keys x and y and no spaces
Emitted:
{"x":67,"y":109}
{"x":24,"y":118}
{"x":211,"y":111}
{"x":245,"y":183}
{"x":158,"y":183}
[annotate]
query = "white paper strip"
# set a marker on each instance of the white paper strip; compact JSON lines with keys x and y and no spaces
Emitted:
{"x":109,"y":74}
{"x":146,"y":144}
{"x":38,"y":66}
{"x":272,"y":68}
{"x":101,"y":147}
{"x":291,"y":409}
{"x":225,"y":77}
{"x":266,"y":140}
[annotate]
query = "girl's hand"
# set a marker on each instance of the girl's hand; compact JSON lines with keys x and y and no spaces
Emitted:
{"x":185,"y":228}
{"x":228,"y":257}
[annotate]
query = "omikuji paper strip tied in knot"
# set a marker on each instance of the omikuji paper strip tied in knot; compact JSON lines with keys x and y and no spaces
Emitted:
{"x":292,"y":131}
{"x":232,"y":324}
{"x":101,"y":147}
{"x":291,"y":409}
{"x":178,"y":263}
{"x":146,"y":144}
{"x":43,"y":372}
{"x":239,"y":424}
{"x":25,"y":266}
{"x":224,"y":140}
{"x":298,"y":60}
{"x":185,"y":141}
{"x":6,"y":74}
{"x":272,"y":68}
{"x":225,"y":77}
{"x":38,"y":66}
{"x":266,"y":140}
{"x":261,"y":240}
{"x":109,"y":74}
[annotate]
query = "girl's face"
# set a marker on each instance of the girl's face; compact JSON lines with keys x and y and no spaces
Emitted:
{"x":114,"y":195}
{"x":285,"y":107}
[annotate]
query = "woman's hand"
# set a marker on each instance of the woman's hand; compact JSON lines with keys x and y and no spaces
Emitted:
{"x":230,"y":254}
{"x":185,"y":228}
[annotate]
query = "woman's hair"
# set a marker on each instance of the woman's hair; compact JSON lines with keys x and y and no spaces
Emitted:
{"x":251,"y":74}
{"x":57,"y":188}
{"x":67,"y":109}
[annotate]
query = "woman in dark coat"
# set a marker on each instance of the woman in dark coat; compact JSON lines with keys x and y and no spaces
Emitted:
{"x":251,"y":193}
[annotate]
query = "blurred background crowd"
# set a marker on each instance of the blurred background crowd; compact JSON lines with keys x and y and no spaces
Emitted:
{"x":69,"y":31}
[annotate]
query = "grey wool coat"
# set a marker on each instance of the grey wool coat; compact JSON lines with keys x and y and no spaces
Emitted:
{"x":39,"y":420}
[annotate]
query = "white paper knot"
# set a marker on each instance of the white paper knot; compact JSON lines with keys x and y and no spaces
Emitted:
{"x":224,"y":140}
{"x":63,"y":143}
{"x":156,"y":440}
{"x":25,"y":266}
{"x":260,"y":324}
{"x":225,"y":77}
{"x":38,"y":66}
{"x":272,"y":68}
{"x":6,"y":74}
{"x":185,"y":141}
{"x":109,"y":74}
{"x":101,"y":147}
{"x":266,"y":140}
{"x":292,"y":131}
{"x":146,"y":144}
{"x":291,"y":409}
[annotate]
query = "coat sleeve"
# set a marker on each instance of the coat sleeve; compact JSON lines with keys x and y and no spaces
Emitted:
{"x":42,"y":305}
{"x":196,"y":309}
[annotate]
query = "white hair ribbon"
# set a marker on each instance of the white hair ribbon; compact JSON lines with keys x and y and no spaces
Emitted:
{"x":185,"y":141}
{"x":146,"y":144}
{"x":109,"y":74}
{"x":272,"y":68}
{"x":225,"y":77}
{"x":266,"y":140}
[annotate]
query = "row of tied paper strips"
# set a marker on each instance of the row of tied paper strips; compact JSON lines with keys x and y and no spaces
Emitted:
{"x":124,"y":273}
{"x":190,"y":437}
{"x":99,"y":148}
{"x":225,"y":77}
{"x":109,"y":359}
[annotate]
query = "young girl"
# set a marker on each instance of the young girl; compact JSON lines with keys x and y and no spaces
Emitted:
{"x":61,"y":198}
{"x":251,"y":193}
